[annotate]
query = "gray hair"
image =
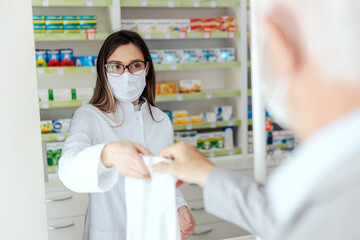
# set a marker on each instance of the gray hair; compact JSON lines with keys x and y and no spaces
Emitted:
{"x":330,"y":30}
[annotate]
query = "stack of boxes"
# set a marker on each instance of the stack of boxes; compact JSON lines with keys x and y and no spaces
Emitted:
{"x":62,"y":57}
{"x":39,"y":24}
{"x":221,"y":24}
{"x":177,"y":56}
{"x":211,"y":141}
{"x":64,"y":24}
{"x":222,"y":113}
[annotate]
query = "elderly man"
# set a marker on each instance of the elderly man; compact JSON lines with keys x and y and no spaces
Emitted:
{"x":311,"y":66}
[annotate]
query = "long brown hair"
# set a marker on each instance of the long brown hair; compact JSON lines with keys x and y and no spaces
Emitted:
{"x":103,"y":98}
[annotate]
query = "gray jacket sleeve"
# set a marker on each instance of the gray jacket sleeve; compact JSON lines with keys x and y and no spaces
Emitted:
{"x":239,"y":200}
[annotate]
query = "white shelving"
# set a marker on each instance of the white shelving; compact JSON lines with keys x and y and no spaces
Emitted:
{"x":223,"y":83}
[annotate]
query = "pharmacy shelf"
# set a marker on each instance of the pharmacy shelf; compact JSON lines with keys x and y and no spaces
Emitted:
{"x":68,"y":37}
{"x":177,"y":127}
{"x":180,"y":3}
{"x":158,"y":67}
{"x":219,"y":153}
{"x":190,"y":35}
{"x":72,"y":3}
{"x":50,"y":137}
{"x":62,"y":104}
{"x":159,"y":98}
{"x":65,"y":70}
{"x":190,"y":66}
{"x":195,"y":96}
{"x":208,"y":125}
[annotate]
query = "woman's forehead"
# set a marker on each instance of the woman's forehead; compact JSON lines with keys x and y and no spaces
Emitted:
{"x":126,"y":54}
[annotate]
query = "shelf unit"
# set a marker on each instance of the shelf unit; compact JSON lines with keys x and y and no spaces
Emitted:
{"x":160,"y":98}
{"x":73,"y":3}
{"x":190,"y":35}
{"x":68,"y":37}
{"x":177,"y":127}
{"x":180,"y":3}
{"x":226,"y":76}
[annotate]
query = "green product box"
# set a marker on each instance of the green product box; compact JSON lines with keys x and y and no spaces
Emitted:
{"x":53,"y":153}
{"x":84,"y":22}
{"x":39,"y":22}
{"x":88,"y":26}
{"x":53,"y":18}
{"x":72,"y":28}
{"x":54,"y":27}
{"x":218,"y":141}
{"x":71,"y":18}
{"x":204,"y":141}
{"x":211,"y":141}
{"x":39,"y":26}
{"x":88,"y":17}
{"x":38,"y":17}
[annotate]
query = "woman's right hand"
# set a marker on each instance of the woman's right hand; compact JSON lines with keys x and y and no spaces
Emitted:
{"x":124,"y":155}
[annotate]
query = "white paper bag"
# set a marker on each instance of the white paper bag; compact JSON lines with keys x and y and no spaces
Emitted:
{"x":151,"y":206}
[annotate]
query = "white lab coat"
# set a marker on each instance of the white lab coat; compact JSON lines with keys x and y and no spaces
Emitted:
{"x":81,"y":170}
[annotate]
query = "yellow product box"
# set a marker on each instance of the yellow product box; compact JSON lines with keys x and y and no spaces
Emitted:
{"x":181,"y":120}
{"x":189,"y":86}
{"x":165,"y":88}
{"x":179,"y":114}
{"x":46,"y":126}
{"x":195,"y":119}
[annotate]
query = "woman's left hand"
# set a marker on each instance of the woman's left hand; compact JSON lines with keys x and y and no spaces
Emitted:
{"x":186,"y":222}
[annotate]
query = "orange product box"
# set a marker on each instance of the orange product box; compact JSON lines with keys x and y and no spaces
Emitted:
{"x":196,"y":22}
{"x":165,"y":88}
{"x":212,"y":25}
{"x":196,"y":29}
{"x":211,"y":22}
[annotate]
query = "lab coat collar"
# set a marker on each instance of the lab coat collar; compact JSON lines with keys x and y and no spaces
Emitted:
{"x":293,"y":183}
{"x":131,"y":108}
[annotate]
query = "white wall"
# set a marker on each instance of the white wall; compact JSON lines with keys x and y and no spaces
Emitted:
{"x":22,"y":200}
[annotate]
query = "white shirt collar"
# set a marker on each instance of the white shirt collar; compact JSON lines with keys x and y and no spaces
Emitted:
{"x":293,"y":182}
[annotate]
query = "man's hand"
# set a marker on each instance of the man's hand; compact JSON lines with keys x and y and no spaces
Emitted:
{"x":189,"y":164}
{"x":186,"y":222}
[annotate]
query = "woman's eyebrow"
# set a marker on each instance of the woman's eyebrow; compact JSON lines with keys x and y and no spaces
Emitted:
{"x":132,"y":61}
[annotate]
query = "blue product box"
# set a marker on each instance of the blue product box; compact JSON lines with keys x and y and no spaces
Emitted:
{"x":226,"y":54}
{"x":192,"y":56}
{"x":61,"y":125}
{"x":210,"y":55}
{"x":84,"y":61}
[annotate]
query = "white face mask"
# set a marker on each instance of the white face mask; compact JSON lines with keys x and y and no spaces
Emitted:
{"x":274,"y":88}
{"x":127,"y":87}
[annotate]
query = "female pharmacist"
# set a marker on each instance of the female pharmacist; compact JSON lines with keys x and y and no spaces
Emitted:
{"x":107,"y":136}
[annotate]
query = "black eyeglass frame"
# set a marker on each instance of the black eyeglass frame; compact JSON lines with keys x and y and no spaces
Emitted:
{"x":125,"y":66}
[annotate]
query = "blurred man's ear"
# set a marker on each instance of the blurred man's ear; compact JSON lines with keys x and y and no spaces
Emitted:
{"x":282,"y":50}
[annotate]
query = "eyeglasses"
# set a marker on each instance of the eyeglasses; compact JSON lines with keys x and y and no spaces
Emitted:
{"x":116,"y":69}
